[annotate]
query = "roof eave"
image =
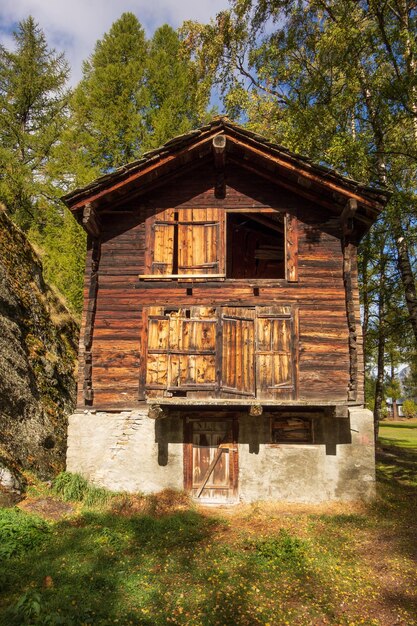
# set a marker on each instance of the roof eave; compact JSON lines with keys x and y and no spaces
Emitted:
{"x":129,"y":175}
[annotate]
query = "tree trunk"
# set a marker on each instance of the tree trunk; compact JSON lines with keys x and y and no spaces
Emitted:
{"x":379,"y":386}
{"x":405,"y":268}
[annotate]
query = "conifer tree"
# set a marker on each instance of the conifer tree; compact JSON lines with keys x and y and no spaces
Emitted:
{"x":32,"y":112}
{"x":135,"y":94}
{"x":107,"y":125}
{"x":177,"y":100}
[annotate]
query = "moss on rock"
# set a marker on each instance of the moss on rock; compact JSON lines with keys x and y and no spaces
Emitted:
{"x":38,"y":350}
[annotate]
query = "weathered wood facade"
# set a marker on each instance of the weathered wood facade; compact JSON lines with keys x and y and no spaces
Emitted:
{"x":221,"y":274}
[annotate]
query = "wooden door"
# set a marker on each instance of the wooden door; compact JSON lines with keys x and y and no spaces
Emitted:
{"x":274,"y":352}
{"x":238,"y":351}
{"x":199,"y":249}
{"x":212,"y":466}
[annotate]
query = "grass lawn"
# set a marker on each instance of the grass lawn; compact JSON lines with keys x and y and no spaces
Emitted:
{"x":159,"y":560}
{"x":402,"y":434}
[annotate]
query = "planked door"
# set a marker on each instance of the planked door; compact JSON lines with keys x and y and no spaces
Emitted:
{"x":212,"y":463}
{"x":274,"y":352}
{"x":238,"y":351}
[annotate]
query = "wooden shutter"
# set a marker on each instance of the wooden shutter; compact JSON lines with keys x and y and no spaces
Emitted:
{"x":199,"y":241}
{"x":181,"y":350}
{"x":274,"y":355}
{"x":158,"y":349}
{"x":238,"y":351}
{"x":161,"y":243}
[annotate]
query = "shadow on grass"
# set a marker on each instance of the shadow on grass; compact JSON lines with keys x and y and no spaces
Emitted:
{"x":396,"y":506}
{"x":103,"y":569}
{"x":399,"y":443}
{"x":391,"y":424}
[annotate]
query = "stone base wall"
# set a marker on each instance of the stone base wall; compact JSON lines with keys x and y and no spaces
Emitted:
{"x":128,"y":451}
{"x":340,"y":467}
{"x":119,"y":451}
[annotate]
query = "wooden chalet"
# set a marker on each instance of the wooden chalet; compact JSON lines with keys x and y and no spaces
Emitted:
{"x":221,"y":347}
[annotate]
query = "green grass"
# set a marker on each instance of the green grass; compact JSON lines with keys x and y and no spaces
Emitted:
{"x":158,"y":560}
{"x":401,"y":434}
{"x":75,"y":488}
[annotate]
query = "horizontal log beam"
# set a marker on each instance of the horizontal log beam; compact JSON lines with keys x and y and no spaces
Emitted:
{"x":178,"y":276}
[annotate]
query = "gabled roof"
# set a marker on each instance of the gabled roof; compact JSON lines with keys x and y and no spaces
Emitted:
{"x":343,"y":196}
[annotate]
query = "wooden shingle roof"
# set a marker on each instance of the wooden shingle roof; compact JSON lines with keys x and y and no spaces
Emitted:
{"x":253,"y":152}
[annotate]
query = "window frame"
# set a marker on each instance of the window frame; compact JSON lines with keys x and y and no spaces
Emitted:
{"x":290,"y":250}
{"x":310,"y":440}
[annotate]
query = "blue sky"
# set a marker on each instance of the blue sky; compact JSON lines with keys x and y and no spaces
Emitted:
{"x":73,"y":26}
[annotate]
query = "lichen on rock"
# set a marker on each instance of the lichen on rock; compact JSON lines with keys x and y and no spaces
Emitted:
{"x":38,"y":349}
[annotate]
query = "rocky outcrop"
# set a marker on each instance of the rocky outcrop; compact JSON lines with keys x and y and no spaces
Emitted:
{"x":37,"y":358}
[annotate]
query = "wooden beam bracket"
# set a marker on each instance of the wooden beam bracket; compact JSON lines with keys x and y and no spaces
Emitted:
{"x":347,"y":215}
{"x":91,"y":221}
{"x":219,"y":153}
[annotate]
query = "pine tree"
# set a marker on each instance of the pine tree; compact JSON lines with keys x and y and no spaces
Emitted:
{"x":177,"y":100}
{"x":32,"y":113}
{"x":107,"y":125}
{"x":134,"y":96}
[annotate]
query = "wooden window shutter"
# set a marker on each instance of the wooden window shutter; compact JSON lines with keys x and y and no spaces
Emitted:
{"x":199,"y":241}
{"x":291,"y":247}
{"x":274,"y":353}
{"x":238,"y":351}
{"x":157,"y":349}
{"x":182,"y":349}
{"x":160,"y":239}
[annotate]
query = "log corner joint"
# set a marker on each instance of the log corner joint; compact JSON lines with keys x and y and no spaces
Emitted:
{"x":156,"y":411}
{"x":256,"y":410}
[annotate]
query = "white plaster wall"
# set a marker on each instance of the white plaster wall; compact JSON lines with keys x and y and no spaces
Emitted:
{"x":312,"y":473}
{"x":118,"y":451}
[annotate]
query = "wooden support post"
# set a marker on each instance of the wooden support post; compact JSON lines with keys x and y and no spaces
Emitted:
{"x":291,"y":245}
{"x":219,"y":153}
{"x":89,"y":323}
{"x":347,"y":215}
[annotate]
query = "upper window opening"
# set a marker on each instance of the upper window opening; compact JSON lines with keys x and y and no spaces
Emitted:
{"x":185,"y":243}
{"x":255,"y":246}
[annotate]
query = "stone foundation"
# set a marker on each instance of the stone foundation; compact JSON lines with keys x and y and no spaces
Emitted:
{"x":128,"y":451}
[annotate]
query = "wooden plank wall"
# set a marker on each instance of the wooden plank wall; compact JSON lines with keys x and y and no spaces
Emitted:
{"x":318,"y":294}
